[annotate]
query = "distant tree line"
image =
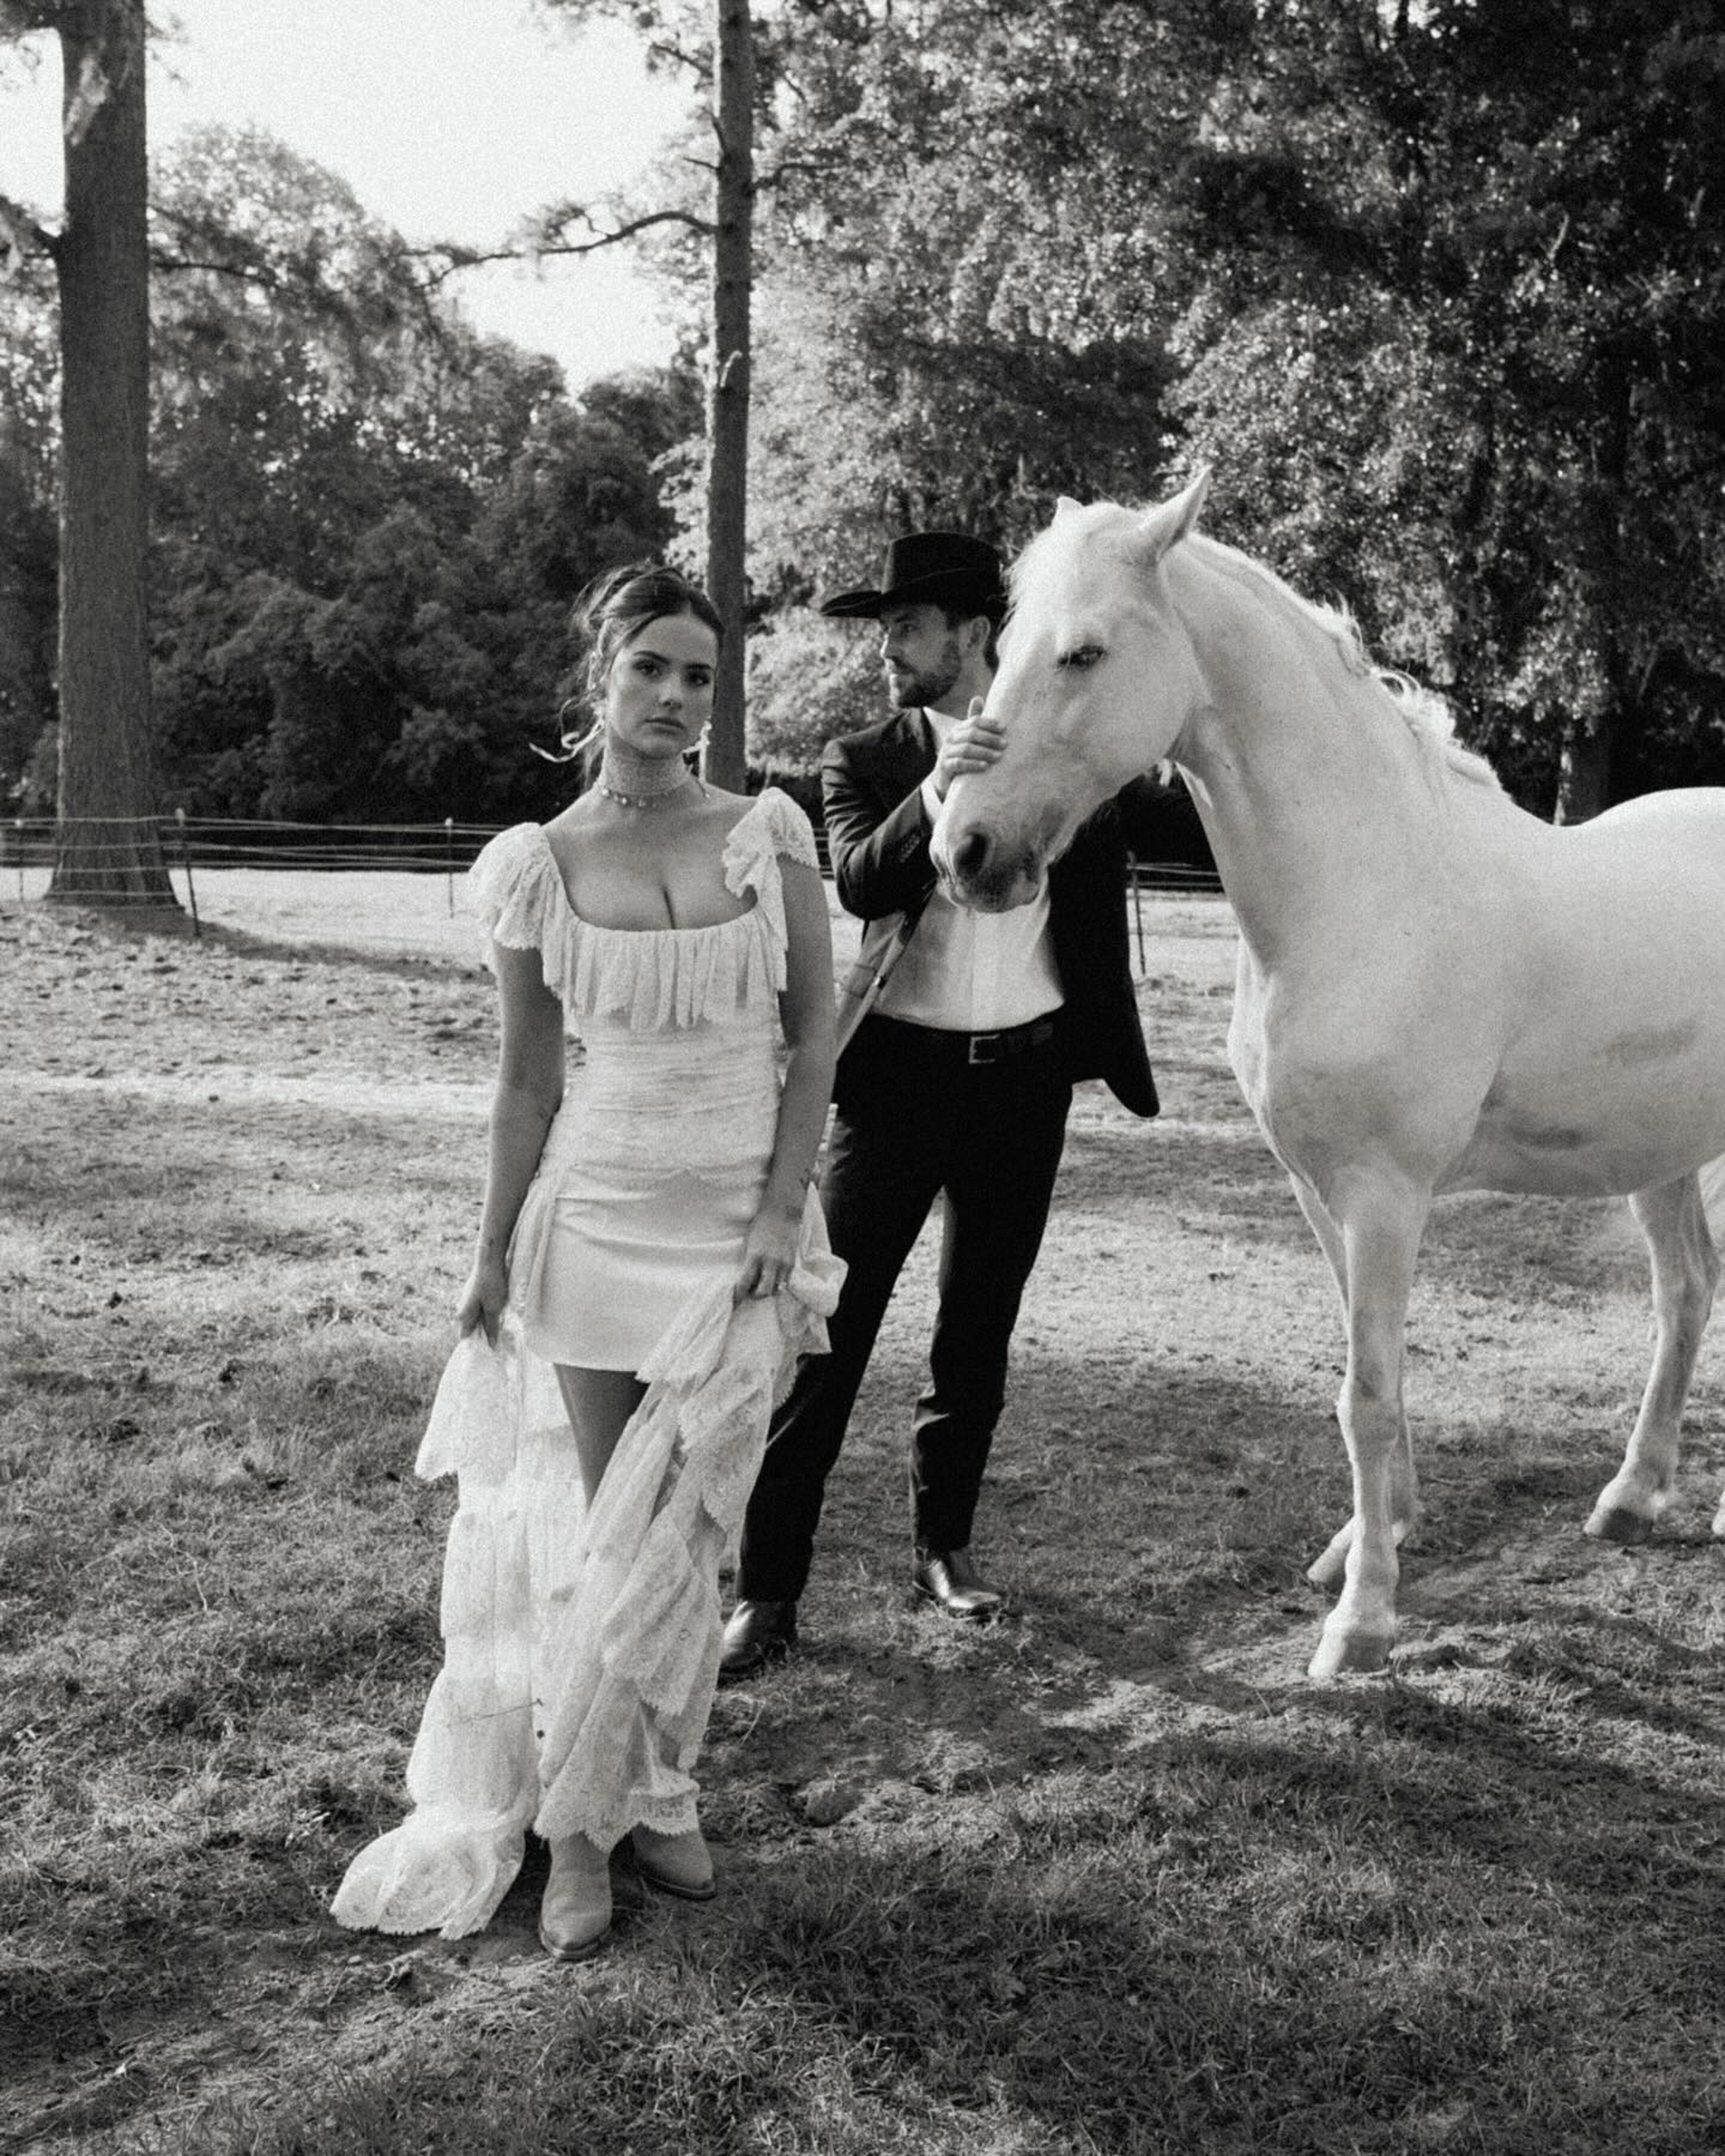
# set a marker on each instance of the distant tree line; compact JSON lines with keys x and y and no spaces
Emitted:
{"x":367,"y":521}
{"x":1438,"y":290}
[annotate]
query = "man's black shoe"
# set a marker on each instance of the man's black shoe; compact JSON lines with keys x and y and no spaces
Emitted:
{"x":948,"y":1578}
{"x":755,"y":1635}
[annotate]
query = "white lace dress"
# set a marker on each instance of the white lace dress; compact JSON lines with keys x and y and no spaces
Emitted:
{"x":582,"y":1648}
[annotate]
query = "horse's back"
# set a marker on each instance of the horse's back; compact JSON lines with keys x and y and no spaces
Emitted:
{"x":1687,"y":816}
{"x":1651,"y":871}
{"x":1557,"y":1024}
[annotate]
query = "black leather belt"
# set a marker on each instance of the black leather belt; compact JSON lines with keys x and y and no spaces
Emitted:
{"x":980,"y":1048}
{"x":1010,"y":1040}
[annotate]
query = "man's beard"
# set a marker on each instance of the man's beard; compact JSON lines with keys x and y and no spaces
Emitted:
{"x":911,"y":691}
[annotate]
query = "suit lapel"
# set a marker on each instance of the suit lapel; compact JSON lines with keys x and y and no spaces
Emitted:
{"x":902,"y":756}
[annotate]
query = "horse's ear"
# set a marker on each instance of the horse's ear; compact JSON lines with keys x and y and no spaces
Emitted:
{"x":1170,"y":521}
{"x":1065,"y":508}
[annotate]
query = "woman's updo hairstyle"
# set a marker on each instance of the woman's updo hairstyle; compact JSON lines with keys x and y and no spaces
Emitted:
{"x":612,"y":610}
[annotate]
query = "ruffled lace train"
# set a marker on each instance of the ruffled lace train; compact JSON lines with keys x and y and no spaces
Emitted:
{"x":581,"y":1652}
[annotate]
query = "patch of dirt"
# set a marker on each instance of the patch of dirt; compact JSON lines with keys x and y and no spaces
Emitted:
{"x":110,"y":1014}
{"x":110,"y":1001}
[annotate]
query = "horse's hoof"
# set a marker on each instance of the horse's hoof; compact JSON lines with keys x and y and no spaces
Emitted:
{"x":1340,"y":1651}
{"x":1617,"y":1523}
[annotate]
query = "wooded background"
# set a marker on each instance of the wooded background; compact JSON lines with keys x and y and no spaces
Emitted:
{"x":1438,"y":290}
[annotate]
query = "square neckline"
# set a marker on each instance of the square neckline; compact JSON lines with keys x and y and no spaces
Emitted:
{"x":699,"y":928}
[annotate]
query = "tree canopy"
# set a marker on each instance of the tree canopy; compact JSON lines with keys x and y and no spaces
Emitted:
{"x":368,"y":521}
{"x":1435,"y":290}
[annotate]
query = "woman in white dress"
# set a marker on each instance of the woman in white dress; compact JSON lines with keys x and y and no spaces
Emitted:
{"x":651,"y":1236}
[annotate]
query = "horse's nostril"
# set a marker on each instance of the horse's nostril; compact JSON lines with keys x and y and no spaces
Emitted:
{"x":970,"y":853}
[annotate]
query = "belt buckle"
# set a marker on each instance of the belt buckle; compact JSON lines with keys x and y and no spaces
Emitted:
{"x":990,"y":1043}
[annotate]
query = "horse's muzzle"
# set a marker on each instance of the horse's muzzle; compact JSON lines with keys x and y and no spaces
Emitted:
{"x":980,"y":872}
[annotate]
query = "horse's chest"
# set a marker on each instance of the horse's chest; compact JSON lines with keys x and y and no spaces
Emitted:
{"x":1247,"y":1056}
{"x":1248,"y":1045}
{"x":1317,"y":1081}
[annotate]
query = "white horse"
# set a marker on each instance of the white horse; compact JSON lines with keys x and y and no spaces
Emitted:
{"x":1436,"y":991}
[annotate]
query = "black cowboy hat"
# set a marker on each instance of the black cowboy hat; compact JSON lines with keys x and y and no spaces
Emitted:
{"x":939,"y":568}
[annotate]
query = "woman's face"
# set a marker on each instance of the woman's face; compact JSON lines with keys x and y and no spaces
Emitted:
{"x":659,"y":695}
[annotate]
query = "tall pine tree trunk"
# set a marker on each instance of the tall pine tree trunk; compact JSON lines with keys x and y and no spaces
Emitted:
{"x":108,"y":849}
{"x":727,"y":472}
{"x":1585,"y":776}
{"x":1584,"y":772}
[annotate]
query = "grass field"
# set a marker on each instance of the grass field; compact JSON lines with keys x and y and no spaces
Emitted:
{"x":380,"y":913}
{"x":1110,"y":1877}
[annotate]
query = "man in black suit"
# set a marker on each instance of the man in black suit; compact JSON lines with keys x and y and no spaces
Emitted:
{"x":956,"y":1085}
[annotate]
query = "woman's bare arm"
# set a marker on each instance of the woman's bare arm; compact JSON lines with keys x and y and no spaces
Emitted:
{"x":807,"y":1012}
{"x":529,"y":1087}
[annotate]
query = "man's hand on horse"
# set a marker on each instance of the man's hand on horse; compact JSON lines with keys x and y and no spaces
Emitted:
{"x":973,"y":745}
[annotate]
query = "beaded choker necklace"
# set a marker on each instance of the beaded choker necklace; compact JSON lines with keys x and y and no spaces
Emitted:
{"x":640,"y":782}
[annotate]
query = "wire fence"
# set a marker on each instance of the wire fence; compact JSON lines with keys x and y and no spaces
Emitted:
{"x":392,"y":887}
{"x":185,"y":841}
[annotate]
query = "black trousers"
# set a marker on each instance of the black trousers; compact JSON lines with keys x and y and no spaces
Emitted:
{"x":914,"y":1120}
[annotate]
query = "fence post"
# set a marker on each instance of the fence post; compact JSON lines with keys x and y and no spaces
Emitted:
{"x":1137,"y":907}
{"x":449,"y":859}
{"x":186,"y":863}
{"x":18,"y":827}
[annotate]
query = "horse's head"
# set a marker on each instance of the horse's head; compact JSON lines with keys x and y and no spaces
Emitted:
{"x":1097,"y":679}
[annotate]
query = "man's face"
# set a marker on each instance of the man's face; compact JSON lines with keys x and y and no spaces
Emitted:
{"x":922,"y":654}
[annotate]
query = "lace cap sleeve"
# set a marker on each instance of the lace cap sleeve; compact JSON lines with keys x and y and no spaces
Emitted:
{"x":505,"y":887}
{"x":774,"y":828}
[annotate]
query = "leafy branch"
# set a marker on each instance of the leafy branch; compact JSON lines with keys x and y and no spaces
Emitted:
{"x":23,"y":18}
{"x":21,"y":236}
{"x":447,"y":258}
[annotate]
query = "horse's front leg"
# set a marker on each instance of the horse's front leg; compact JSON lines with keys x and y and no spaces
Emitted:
{"x":1381,"y":1225}
{"x":1327,"y":1570}
{"x":1685,"y":1272}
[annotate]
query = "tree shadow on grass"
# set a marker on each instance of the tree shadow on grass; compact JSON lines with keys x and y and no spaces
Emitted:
{"x":1224,"y":1179}
{"x":1307,"y":1933}
{"x":1519,"y":1838}
{"x":1082,"y":1997}
{"x":1303,"y":1936}
{"x":1172,"y":1564}
{"x":1302,"y":1933}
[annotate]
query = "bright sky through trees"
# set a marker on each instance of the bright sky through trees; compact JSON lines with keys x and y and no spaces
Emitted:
{"x":451,"y":119}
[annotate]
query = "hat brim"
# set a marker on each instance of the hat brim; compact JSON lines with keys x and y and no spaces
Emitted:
{"x":946,"y":587}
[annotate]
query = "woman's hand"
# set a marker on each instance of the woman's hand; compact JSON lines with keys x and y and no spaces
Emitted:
{"x":769,"y":1250}
{"x":483,"y":1299}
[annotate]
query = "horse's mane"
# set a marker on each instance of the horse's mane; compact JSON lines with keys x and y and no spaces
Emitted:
{"x":1426,"y":714}
{"x":1427,"y":717}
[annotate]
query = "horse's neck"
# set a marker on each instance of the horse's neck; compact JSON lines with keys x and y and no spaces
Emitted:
{"x":1318,"y":808}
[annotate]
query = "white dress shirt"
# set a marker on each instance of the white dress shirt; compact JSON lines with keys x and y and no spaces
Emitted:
{"x":970,"y":973}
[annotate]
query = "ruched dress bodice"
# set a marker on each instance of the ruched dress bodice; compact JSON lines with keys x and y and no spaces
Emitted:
{"x":653,"y":1167}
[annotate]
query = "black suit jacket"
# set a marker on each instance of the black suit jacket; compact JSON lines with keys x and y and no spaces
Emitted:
{"x":878,"y":830}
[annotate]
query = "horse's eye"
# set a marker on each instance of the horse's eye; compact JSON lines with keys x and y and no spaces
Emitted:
{"x":1081,"y":656}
